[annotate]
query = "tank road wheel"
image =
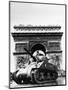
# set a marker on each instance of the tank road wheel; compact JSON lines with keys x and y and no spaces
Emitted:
{"x":54,"y":75}
{"x":51,"y":75}
{"x":39,"y":77}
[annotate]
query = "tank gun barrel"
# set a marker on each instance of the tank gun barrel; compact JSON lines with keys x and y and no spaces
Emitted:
{"x":30,"y":54}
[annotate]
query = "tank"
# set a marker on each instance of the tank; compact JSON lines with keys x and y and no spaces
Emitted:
{"x":38,"y":72}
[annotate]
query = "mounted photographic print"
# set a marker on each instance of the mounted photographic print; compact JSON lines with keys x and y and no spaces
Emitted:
{"x":37,"y":44}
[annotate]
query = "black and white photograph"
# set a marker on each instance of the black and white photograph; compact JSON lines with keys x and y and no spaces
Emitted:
{"x":37,"y":44}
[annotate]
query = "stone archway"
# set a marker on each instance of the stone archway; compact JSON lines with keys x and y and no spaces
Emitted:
{"x":38,"y":47}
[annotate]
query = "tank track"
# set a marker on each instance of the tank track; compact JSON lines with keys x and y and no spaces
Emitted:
{"x":43,"y":76}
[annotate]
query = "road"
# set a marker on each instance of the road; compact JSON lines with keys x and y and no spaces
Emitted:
{"x":59,"y":81}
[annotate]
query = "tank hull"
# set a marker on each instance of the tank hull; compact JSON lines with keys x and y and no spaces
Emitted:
{"x":33,"y":74}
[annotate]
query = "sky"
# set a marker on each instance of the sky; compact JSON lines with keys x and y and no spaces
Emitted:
{"x":37,"y":14}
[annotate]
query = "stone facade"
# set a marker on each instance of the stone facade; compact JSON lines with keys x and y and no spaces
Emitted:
{"x":49,"y":42}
